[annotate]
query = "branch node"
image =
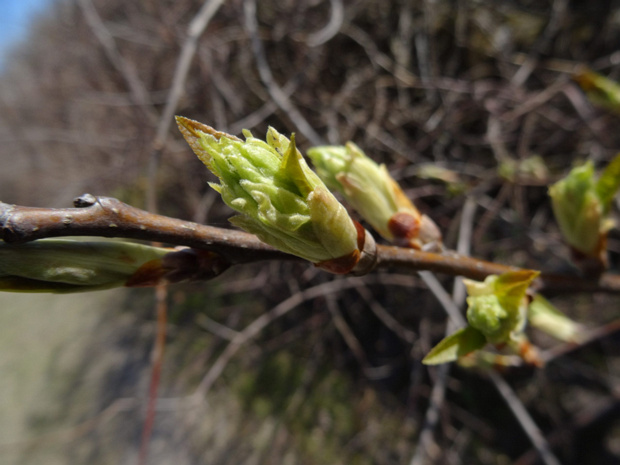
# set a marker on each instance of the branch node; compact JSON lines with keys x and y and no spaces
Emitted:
{"x":368,"y":257}
{"x":84,"y":200}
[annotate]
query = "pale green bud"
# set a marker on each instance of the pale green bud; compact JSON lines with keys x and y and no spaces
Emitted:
{"x":69,"y":265}
{"x":544,"y":316}
{"x":279,"y":198}
{"x":486,"y":313}
{"x":81,"y":265}
{"x":580,"y":204}
{"x":497,"y":307}
{"x":496,"y":313}
{"x":370,"y":189}
{"x":365,"y":185}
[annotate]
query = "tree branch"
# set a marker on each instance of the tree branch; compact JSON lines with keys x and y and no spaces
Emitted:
{"x":109,"y":217}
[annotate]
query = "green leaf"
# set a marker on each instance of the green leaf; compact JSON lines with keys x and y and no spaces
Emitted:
{"x":544,"y":316}
{"x":608,"y":184}
{"x":458,"y":344}
{"x":513,"y":284}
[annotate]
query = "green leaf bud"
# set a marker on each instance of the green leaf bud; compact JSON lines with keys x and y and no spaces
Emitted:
{"x":69,"y":265}
{"x":279,"y":198}
{"x":81,"y":265}
{"x":497,"y":307}
{"x":370,"y":189}
{"x":580,"y":204}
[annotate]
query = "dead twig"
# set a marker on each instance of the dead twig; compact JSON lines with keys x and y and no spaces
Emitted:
{"x":347,"y":334}
{"x":138,"y":92}
{"x":525,"y":420}
{"x":275,"y":91}
{"x":331,"y":28}
{"x":456,"y":320}
{"x":197,"y":26}
{"x":259,"y":324}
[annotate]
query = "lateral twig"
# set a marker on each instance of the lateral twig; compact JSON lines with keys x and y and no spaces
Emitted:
{"x":525,"y":420}
{"x":138,"y":92}
{"x":455,"y":321}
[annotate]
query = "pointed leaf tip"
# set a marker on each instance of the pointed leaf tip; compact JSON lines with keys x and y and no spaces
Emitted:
{"x":195,"y":129}
{"x":458,"y":344}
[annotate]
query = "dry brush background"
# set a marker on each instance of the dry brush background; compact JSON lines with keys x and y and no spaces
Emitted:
{"x":461,"y":99}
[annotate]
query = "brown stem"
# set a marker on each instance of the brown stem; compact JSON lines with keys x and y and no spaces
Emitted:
{"x":108,"y":217}
{"x":408,"y":259}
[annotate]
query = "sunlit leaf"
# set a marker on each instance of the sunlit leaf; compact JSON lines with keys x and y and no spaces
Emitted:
{"x":458,"y":344}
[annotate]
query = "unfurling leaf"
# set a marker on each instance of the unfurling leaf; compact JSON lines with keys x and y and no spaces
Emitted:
{"x":496,"y":313}
{"x":497,"y":307}
{"x":458,"y":344}
{"x":544,"y":316}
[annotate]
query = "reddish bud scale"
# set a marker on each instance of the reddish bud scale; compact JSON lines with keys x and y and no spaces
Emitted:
{"x":148,"y":275}
{"x":529,"y":353}
{"x":346,"y":263}
{"x":592,"y":265}
{"x":404,"y":227}
{"x":585,"y":80}
{"x":177,"y":266}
